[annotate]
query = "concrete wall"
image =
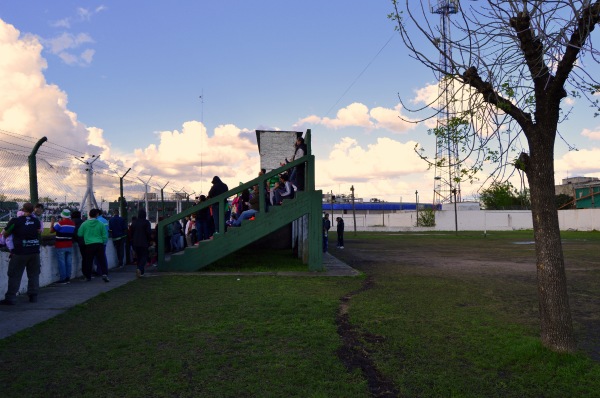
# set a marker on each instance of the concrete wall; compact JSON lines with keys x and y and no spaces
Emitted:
{"x":474,"y":220}
{"x":49,"y":269}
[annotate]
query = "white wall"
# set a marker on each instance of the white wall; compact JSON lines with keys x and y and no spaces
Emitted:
{"x":471,"y":220}
{"x":49,"y":269}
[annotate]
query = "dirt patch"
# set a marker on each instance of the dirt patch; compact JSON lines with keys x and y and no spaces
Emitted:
{"x":354,"y":353}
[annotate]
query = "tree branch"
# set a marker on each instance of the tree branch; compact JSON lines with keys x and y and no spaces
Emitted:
{"x":586,"y":23}
{"x":533,"y":52}
{"x":472,"y":78}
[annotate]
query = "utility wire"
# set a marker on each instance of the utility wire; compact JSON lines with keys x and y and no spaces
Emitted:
{"x":361,"y":73}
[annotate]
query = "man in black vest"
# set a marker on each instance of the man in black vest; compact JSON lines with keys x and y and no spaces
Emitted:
{"x":26,"y":255}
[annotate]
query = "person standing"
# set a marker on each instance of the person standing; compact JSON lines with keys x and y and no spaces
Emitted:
{"x":326,"y":227}
{"x":63,"y":244}
{"x":297,"y":173}
{"x":25,"y":256}
{"x":76,"y":217}
{"x":118,"y":230}
{"x":38,"y":211}
{"x":218,"y":188}
{"x":141,"y":234}
{"x":104,"y":221}
{"x":176,"y":236}
{"x":340,"y":232}
{"x":95,"y":237}
{"x":202,"y":221}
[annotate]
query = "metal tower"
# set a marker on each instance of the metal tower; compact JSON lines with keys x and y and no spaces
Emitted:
{"x":447,"y":171}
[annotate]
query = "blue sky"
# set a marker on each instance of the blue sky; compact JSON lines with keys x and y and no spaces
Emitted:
{"x":131,"y":73}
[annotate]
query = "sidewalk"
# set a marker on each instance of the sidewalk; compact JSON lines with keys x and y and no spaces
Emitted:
{"x":55,"y":299}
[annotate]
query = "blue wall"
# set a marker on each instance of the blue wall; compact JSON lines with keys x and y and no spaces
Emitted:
{"x":376,"y":206}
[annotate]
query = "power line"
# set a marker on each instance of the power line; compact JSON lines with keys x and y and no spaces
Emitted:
{"x":361,"y":73}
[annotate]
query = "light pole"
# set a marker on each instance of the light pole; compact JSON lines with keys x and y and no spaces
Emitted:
{"x":455,"y":212}
{"x":332,"y":200}
{"x":417,"y":205}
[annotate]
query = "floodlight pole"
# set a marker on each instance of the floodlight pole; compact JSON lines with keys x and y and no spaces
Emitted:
{"x":353,"y":209}
{"x":89,"y":192}
{"x":146,"y":195}
{"x":162,"y":197}
{"x":122,"y":207}
{"x":33,"y":187}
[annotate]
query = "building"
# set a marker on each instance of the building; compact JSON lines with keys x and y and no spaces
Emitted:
{"x":585,"y":191}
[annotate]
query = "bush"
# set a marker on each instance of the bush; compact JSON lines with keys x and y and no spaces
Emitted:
{"x":426,"y":218}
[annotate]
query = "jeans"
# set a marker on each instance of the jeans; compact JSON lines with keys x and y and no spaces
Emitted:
{"x":64,"y":255}
{"x":246,"y":215}
{"x":120,"y":249}
{"x":175,"y":244}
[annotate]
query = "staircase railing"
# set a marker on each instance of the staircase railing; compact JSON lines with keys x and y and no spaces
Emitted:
{"x":307,"y":161}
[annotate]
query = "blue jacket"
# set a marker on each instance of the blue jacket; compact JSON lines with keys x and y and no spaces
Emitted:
{"x":117,"y":227}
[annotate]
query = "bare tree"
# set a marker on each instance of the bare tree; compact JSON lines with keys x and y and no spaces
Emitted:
{"x":512,"y":65}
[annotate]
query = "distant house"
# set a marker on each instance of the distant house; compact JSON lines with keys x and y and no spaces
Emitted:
{"x":585,"y":191}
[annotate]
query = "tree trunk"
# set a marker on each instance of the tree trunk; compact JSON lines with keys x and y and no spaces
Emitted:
{"x":555,"y":314}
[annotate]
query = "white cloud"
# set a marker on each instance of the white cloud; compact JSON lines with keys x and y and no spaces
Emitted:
{"x":62,"y":23}
{"x":83,"y":14}
{"x":64,"y":47}
{"x":31,"y":107}
{"x":386,"y":169}
{"x":426,"y":95}
{"x":28,"y":104}
{"x":583,"y":162}
{"x":591,"y":134}
{"x":193,"y":157}
{"x":87,"y":55}
{"x":358,"y":115}
{"x":67,"y":41}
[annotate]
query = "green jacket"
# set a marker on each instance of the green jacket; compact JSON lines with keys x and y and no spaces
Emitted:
{"x":93,"y":231}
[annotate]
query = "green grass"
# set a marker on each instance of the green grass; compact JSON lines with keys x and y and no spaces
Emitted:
{"x":188,"y":336}
{"x":448,"y":337}
{"x":253,"y":260}
{"x":432,"y":330}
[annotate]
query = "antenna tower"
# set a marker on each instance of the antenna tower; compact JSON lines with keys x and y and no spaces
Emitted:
{"x":447,"y":172}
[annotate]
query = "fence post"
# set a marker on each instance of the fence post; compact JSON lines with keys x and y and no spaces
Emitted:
{"x":33,"y":187}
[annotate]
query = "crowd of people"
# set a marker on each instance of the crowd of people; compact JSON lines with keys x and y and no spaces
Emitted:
{"x":22,"y":237}
{"x":22,"y":233}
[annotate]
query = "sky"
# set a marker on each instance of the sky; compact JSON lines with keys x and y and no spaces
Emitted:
{"x":176,"y":89}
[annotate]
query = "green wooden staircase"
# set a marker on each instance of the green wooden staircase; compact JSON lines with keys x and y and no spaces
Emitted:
{"x":306,"y":206}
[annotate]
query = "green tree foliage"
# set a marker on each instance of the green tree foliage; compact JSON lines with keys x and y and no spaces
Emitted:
{"x":426,"y":218}
{"x":504,"y":196}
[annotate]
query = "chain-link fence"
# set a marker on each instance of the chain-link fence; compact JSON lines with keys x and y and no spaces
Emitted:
{"x":65,"y":177}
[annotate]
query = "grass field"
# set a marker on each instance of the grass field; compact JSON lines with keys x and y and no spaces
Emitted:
{"x":433,"y":315}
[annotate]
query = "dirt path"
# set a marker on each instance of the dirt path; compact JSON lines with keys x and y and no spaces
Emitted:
{"x":353,"y":352}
